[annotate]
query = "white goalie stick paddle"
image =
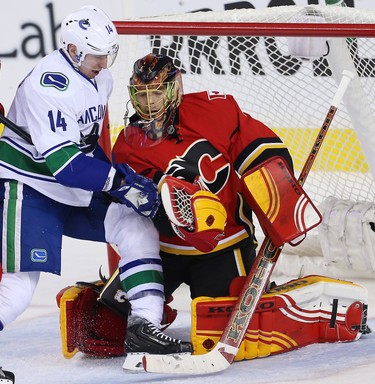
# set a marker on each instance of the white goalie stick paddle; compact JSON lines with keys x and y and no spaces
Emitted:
{"x":222,"y":356}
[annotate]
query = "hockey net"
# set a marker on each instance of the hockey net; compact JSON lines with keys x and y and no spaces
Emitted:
{"x":245,"y":53}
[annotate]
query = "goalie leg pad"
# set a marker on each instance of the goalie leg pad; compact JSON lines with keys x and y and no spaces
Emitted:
{"x":93,"y":320}
{"x":305,"y":311}
{"x":87,"y":325}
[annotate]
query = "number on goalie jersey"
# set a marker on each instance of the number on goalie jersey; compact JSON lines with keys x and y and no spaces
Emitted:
{"x":201,"y":135}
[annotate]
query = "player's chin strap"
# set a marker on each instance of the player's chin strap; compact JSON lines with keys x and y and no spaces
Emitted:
{"x":196,"y":215}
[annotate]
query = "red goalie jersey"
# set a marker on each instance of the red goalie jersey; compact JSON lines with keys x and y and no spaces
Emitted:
{"x":215,"y":140}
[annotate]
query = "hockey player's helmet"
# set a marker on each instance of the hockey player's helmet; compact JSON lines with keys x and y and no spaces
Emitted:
{"x":92,"y":32}
{"x":155,"y":91}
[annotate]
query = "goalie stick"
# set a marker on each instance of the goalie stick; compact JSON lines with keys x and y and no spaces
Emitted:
{"x":222,"y":356}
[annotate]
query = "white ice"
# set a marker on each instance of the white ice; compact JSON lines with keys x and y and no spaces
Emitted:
{"x":31,"y":348}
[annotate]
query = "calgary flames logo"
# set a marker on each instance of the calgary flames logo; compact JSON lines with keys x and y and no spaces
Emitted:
{"x":201,"y":159}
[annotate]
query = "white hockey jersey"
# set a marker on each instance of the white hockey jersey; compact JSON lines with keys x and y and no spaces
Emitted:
{"x":58,"y":107}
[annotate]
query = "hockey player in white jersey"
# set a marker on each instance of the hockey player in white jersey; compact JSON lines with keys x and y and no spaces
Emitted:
{"x":60,"y":183}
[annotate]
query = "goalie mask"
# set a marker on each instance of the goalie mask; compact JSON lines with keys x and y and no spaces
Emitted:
{"x":92,"y":32}
{"x":155,"y":92}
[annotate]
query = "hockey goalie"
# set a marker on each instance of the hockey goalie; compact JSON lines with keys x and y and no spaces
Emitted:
{"x":304,"y":311}
{"x":215,"y":166}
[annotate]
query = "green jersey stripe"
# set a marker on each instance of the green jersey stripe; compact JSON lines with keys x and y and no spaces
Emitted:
{"x":142,"y":277}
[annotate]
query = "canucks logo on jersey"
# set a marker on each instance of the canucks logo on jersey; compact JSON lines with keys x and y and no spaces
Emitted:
{"x":39,"y":255}
{"x":55,"y":79}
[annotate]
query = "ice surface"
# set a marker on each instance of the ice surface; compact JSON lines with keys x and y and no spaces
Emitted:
{"x":31,"y":347}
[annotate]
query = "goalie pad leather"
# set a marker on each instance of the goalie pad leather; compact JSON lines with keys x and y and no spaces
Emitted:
{"x":284,"y":210}
{"x":310,"y":310}
{"x":94,"y":327}
{"x":87,"y":325}
{"x":197,"y":216}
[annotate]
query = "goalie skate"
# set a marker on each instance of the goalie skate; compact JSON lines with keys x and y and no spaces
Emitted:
{"x":143,"y":338}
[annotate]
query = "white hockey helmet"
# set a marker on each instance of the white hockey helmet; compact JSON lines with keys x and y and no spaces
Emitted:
{"x":92,"y":32}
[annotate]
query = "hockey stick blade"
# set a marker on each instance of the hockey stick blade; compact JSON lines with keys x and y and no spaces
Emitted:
{"x":222,"y":356}
{"x":213,"y":361}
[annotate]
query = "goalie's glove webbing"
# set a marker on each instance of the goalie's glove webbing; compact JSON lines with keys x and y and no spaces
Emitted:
{"x":197,"y":216}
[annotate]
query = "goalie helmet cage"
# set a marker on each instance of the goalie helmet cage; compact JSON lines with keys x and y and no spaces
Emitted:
{"x":245,"y":53}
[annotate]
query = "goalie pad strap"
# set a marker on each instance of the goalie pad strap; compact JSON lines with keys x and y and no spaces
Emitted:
{"x":290,"y":316}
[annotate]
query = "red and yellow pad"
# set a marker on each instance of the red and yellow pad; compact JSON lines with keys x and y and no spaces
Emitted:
{"x":310,"y":310}
{"x":87,"y":325}
{"x":196,"y":215}
{"x":283,"y":208}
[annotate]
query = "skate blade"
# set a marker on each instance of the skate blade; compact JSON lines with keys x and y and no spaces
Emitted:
{"x":133,"y":362}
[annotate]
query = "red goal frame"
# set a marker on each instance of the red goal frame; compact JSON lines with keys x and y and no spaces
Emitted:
{"x":193,"y":28}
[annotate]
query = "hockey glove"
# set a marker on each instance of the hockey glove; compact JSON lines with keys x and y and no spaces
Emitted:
{"x":195,"y":214}
{"x":138,"y":192}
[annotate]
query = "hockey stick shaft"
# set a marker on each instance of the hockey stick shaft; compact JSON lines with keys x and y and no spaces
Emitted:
{"x":268,"y":253}
{"x":222,"y":356}
{"x":15,"y":128}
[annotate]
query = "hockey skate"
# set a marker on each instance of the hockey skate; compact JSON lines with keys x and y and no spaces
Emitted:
{"x":6,"y":377}
{"x":143,"y":338}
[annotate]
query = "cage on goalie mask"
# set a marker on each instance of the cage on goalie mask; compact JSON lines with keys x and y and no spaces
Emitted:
{"x":155,"y":92}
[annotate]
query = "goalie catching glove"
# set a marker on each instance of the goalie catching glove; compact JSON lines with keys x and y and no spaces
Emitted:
{"x":196,"y":215}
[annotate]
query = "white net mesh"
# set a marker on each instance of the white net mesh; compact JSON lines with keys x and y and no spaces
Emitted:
{"x":290,"y":95}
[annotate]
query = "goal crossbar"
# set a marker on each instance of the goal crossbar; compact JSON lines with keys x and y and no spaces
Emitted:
{"x":243,"y":29}
{"x":245,"y":53}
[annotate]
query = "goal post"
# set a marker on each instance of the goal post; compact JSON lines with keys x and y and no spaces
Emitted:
{"x":245,"y":53}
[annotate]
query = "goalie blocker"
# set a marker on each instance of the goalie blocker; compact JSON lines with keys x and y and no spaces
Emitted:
{"x":313,"y":309}
{"x":283,"y":209}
